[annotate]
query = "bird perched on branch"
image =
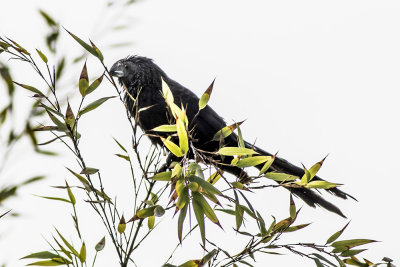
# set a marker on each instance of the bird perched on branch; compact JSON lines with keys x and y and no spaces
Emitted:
{"x":142,"y":79}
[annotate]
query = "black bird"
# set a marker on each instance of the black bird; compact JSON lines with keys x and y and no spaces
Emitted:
{"x":141,"y":77}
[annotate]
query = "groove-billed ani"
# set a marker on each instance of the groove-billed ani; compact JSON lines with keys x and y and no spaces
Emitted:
{"x":142,"y":79}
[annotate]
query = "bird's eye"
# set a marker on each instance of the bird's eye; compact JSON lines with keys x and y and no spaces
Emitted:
{"x":125,"y":66}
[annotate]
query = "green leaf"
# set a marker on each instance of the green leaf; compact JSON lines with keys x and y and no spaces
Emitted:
{"x":183,"y":198}
{"x":42,"y":56}
{"x":83,"y":81}
{"x":121,"y":225}
{"x":232,"y":151}
{"x":80,"y":178}
{"x":238,"y":212}
{"x":82,"y":253}
{"x":165,"y":128}
{"x":101,"y":244}
{"x":252,"y":161}
{"x":226,"y":131}
{"x":182,"y":134}
{"x":89,"y":170}
{"x":94,"y":105}
{"x":162,"y":176}
{"x":171,"y":146}
{"x":296,"y":227}
{"x":55,"y":198}
{"x":125,"y":157}
{"x":69,"y":117}
{"x":199,"y":213}
{"x":352,"y":243}
{"x":204,"y":184}
{"x":181,"y":219}
{"x":292,"y":208}
{"x":99,"y":55}
{"x":159,"y":211}
{"x":70,"y":194}
{"x":166,"y":92}
{"x":280,"y":177}
{"x":49,"y":20}
{"x":267,"y":165}
{"x":206,"y":96}
{"x":208,"y":211}
{"x":41,"y":255}
{"x":191,"y":263}
{"x":237,"y":185}
{"x":208,"y":256}
{"x":30,"y":88}
{"x":93,"y":86}
{"x":214,"y":178}
{"x":123,"y":148}
{"x":146,"y":212}
{"x":321,"y":184}
{"x":176,"y":171}
{"x":306,"y":177}
{"x":84,"y":45}
{"x":351,"y":252}
{"x":315,"y":168}
{"x":336,"y":235}
{"x":71,"y":248}
{"x":151,"y":221}
{"x":52,"y":262}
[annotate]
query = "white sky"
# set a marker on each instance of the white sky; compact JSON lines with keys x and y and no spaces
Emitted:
{"x":310,"y":77}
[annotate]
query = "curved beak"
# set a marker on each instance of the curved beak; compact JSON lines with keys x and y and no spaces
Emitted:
{"x":117,"y":70}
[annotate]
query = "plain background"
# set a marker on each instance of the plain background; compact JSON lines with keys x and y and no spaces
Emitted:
{"x":309,"y":77}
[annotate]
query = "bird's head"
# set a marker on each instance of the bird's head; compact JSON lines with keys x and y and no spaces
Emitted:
{"x":123,"y":68}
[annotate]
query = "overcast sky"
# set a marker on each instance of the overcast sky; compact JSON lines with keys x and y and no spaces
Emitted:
{"x":310,"y":78}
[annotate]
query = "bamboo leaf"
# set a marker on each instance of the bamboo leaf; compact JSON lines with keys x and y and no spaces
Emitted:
{"x":336,"y":235}
{"x":252,"y":161}
{"x":181,"y":219}
{"x":55,"y":198}
{"x":292,"y":208}
{"x":151,"y":221}
{"x":352,"y":243}
{"x":321,"y":184}
{"x":199,"y":214}
{"x":42,"y":56}
{"x":171,"y":146}
{"x":206,"y":96}
{"x":71,"y":248}
{"x":41,"y":255}
{"x":280,"y":177}
{"x":267,"y":165}
{"x":89,"y":170}
{"x":204,"y":184}
{"x":83,"y":81}
{"x":83,"y":44}
{"x":94,"y":105}
{"x":165,"y":128}
{"x":183,"y":198}
{"x":82,"y":253}
{"x":182,"y":135}
{"x":162,"y":176}
{"x":315,"y":168}
{"x":208,"y":211}
{"x":226,"y":131}
{"x":93,"y":86}
{"x":30,"y":88}
{"x":239,"y":151}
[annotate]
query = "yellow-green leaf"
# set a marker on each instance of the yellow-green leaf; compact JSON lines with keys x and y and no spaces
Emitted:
{"x":280,"y":177}
{"x":146,"y":212}
{"x":121,"y":225}
{"x":206,"y":96}
{"x":252,"y":161}
{"x":52,"y":262}
{"x":42,"y":56}
{"x":98,"y":52}
{"x":321,"y":184}
{"x":89,"y":170}
{"x":292,"y":208}
{"x":336,"y":235}
{"x":352,"y":243}
{"x":150,"y":221}
{"x":199,"y":213}
{"x":69,"y":117}
{"x":167,"y":94}
{"x":82,"y":253}
{"x":83,"y":81}
{"x":70,"y":194}
{"x":183,"y":198}
{"x":190,"y":263}
{"x":206,"y":186}
{"x":306,"y":177}
{"x":71,"y":248}
{"x":214,"y":178}
{"x":165,"y":128}
{"x":239,"y":151}
{"x":182,"y":134}
{"x":93,"y":86}
{"x":176,"y":171}
{"x":171,"y":146}
{"x":226,"y":131}
{"x":267,"y":165}
{"x":162,"y":176}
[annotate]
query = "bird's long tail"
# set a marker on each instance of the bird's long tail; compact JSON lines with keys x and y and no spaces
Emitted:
{"x":312,"y":198}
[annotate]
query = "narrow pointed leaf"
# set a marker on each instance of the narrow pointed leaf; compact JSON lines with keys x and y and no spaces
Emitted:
{"x":204,"y":184}
{"x":42,"y":56}
{"x":82,"y":253}
{"x":94,"y":105}
{"x":315,"y":168}
{"x":83,"y":81}
{"x":292,"y":208}
{"x":321,"y":184}
{"x":280,"y":177}
{"x":41,"y":255}
{"x":336,"y":235}
{"x":89,"y":170}
{"x":162,"y":176}
{"x":232,"y":151}
{"x":267,"y":165}
{"x":93,"y":86}
{"x":208,"y":211}
{"x":252,"y":161}
{"x":165,"y":128}
{"x":199,"y":214}
{"x":181,"y":219}
{"x":84,"y":44}
{"x":99,"y":55}
{"x":206,"y":96}
{"x":123,"y":148}
{"x":352,"y":243}
{"x":226,"y":131}
{"x":182,"y":134}
{"x":171,"y":146}
{"x":150,"y":222}
{"x":183,"y":198}
{"x":71,"y":248}
{"x":30,"y":88}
